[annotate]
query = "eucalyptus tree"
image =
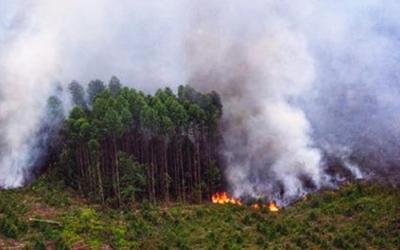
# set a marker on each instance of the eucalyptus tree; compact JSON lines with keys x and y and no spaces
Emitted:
{"x":114,"y":85}
{"x":95,"y":87}
{"x":78,"y":95}
{"x":128,"y":146}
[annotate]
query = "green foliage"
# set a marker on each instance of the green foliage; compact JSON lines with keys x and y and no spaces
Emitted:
{"x":126,"y":147}
{"x":49,"y":187}
{"x":94,"y":88}
{"x":78,"y":94}
{"x":114,"y":85}
{"x":133,"y":178}
{"x":373,"y":224}
{"x":55,"y":109}
{"x":11,"y":224}
{"x":39,"y":245}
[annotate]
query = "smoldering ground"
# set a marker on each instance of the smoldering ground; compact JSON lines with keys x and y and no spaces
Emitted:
{"x":303,"y":83}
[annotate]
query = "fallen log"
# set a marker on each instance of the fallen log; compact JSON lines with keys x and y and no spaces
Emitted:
{"x":45,"y":221}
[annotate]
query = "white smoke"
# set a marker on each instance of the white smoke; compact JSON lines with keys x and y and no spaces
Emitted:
{"x":48,"y":41}
{"x":26,"y":73}
{"x":297,"y":78}
{"x":267,"y":138}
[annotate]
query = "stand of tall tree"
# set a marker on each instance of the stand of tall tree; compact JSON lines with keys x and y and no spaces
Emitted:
{"x":122,"y":146}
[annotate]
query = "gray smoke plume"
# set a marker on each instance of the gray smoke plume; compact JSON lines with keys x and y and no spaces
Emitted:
{"x":304,"y":83}
{"x":259,"y":72}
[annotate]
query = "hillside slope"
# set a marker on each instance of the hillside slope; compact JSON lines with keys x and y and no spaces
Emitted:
{"x":47,"y":216}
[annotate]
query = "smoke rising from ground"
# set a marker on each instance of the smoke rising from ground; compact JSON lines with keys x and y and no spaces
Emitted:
{"x":258,"y":72}
{"x":301,"y":81}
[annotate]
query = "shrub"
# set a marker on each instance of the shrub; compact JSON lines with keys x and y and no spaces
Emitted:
{"x":39,"y":244}
{"x":8,"y":228}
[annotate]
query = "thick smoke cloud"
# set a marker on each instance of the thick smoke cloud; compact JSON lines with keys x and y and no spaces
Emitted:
{"x":301,"y":81}
{"x":258,"y":72}
{"x":44,"y":42}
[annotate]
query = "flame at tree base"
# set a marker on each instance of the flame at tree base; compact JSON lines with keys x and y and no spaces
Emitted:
{"x":273,"y":207}
{"x":224,"y":198}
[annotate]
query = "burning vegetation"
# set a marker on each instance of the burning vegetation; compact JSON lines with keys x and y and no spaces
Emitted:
{"x":225,"y":198}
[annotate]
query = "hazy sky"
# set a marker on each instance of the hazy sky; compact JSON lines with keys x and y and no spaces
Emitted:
{"x":298,"y":78}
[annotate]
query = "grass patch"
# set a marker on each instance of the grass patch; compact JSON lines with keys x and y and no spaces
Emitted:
{"x":356,"y":216}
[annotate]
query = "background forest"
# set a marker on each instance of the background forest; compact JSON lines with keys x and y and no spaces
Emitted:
{"x":119,"y":145}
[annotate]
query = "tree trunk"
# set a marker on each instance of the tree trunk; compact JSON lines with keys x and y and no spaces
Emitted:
{"x":78,"y":162}
{"x":198,"y":168}
{"x":180,"y":159}
{"x":99,"y":179}
{"x":165,"y":163}
{"x":153,"y":185}
{"x":116,"y":169}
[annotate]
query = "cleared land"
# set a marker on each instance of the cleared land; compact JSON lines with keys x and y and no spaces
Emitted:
{"x":46,"y":215}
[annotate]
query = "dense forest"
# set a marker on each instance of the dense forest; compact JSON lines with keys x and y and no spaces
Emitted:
{"x":119,"y":146}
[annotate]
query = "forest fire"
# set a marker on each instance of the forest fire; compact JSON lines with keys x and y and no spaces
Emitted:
{"x":224,"y":198}
{"x":273,"y":207}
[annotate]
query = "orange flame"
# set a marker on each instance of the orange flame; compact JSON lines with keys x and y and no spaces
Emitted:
{"x":224,"y":198}
{"x":273,"y":207}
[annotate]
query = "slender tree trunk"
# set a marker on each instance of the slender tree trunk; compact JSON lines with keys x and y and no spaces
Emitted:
{"x":90,"y":174}
{"x":153,"y":186}
{"x":78,"y":162}
{"x":145,"y":151}
{"x":176,"y":170}
{"x":198,"y":168}
{"x":99,"y":179}
{"x":165,"y":162}
{"x":116,"y":165}
{"x":180,"y":158}
{"x":191,"y":171}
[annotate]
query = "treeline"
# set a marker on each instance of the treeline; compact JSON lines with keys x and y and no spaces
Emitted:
{"x":121,"y":146}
